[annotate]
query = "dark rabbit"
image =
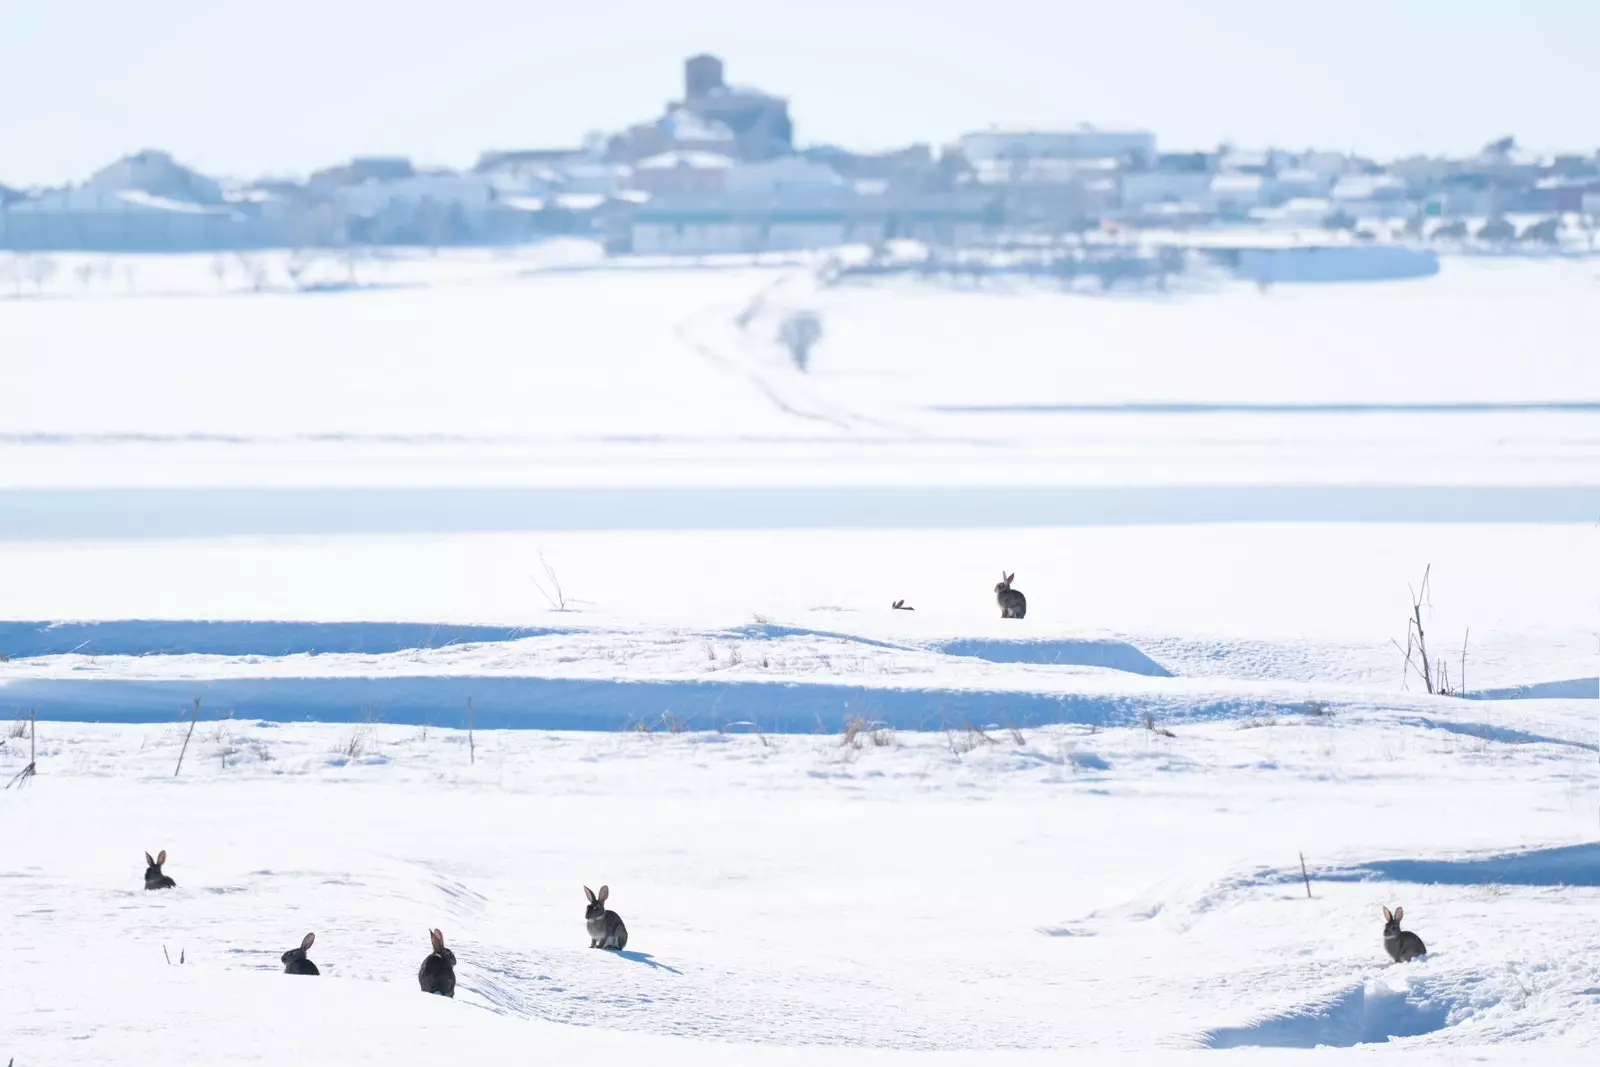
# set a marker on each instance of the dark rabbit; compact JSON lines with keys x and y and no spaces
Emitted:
{"x":438,"y":972}
{"x":605,"y":926}
{"x":1013,"y":605}
{"x":1403,"y":946}
{"x":153,"y":878}
{"x":295,"y":962}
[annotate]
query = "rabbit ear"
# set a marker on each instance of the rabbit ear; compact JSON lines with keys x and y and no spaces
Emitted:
{"x":437,"y":937}
{"x":1011,"y":577}
{"x":589,"y":893}
{"x":1386,"y":916}
{"x":161,"y":857}
{"x":1399,"y":913}
{"x":306,"y":943}
{"x":605,"y":891}
{"x":148,"y":860}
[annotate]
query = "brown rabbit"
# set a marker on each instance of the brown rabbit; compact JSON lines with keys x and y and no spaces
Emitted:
{"x":605,"y":926}
{"x":1403,"y":946}
{"x":1013,"y":605}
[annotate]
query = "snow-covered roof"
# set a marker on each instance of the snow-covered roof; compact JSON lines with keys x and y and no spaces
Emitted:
{"x":1236,"y":183}
{"x":1299,"y":176}
{"x":1367,"y":186}
{"x":684,"y":125}
{"x":579,"y":201}
{"x":1247,"y":157}
{"x":691,"y":159}
{"x":1307,"y":205}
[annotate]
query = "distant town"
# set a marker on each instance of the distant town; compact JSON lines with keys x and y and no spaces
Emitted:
{"x":720,"y":172}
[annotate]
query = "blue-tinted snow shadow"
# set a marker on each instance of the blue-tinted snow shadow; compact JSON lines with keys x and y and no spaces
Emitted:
{"x":648,"y":960}
{"x":588,"y":704}
{"x":1565,"y":689}
{"x":1566,"y":865}
{"x":1560,"y":865}
{"x":1363,"y":1015}
{"x":47,"y":514}
{"x":1491,"y":732}
{"x":147,"y":637}
{"x":1081,"y":652}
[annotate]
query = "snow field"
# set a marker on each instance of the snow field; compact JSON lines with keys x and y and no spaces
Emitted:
{"x":1114,"y":888}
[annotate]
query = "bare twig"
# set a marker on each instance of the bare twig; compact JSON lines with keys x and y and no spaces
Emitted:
{"x":193,"y":718}
{"x":1304,"y":875}
{"x":1417,"y":599}
{"x":20,"y":779}
{"x":851,"y":730}
{"x":554,"y":594}
{"x":472,"y":745}
{"x":1015,"y":730}
{"x":1160,"y":731}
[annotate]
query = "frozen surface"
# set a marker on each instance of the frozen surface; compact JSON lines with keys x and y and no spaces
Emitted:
{"x":547,"y":369}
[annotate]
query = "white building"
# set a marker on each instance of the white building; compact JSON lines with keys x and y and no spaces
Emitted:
{"x":682,"y":171}
{"x":1299,"y":182}
{"x":795,"y":221}
{"x":1086,"y":142}
{"x":783,"y":174}
{"x":100,"y":219}
{"x":469,"y":192}
{"x":1142,"y":188}
{"x":1235,"y":195}
{"x":158,"y":174}
{"x":1371,"y":196}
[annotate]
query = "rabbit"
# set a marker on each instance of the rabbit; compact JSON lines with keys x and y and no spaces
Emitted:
{"x":1013,"y":605}
{"x":438,"y":972}
{"x":153,"y":878}
{"x":295,"y":962}
{"x":605,"y":926}
{"x":1403,"y":946}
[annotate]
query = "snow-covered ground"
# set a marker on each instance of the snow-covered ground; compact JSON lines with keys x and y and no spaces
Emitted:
{"x":918,"y":891}
{"x":521,"y":372}
{"x":600,"y":503}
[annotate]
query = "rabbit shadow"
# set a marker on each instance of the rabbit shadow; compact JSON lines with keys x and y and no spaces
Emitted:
{"x":648,"y":960}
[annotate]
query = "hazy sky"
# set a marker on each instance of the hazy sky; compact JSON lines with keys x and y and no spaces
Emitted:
{"x":283,"y":86}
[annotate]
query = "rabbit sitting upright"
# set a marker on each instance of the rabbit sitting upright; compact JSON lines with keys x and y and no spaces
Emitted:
{"x":1403,"y":946}
{"x":1013,"y":605}
{"x":605,"y":926}
{"x":153,"y":878}
{"x":295,"y":962}
{"x":438,"y":972}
